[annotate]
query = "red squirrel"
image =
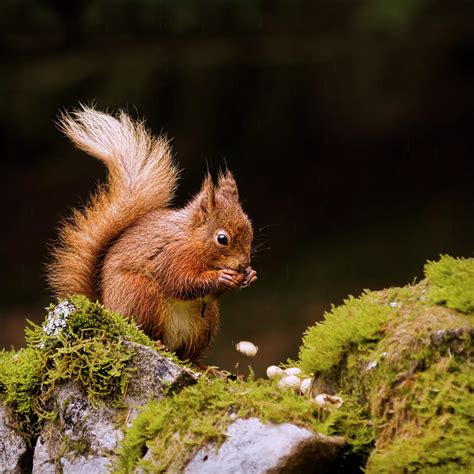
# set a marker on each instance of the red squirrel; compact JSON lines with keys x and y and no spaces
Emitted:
{"x":163,"y":267}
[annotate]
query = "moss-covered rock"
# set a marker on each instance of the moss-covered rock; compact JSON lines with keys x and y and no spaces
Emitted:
{"x":403,"y":360}
{"x":175,"y":429}
{"x":79,"y":341}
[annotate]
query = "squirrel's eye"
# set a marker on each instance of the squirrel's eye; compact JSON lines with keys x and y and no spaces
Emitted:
{"x":222,"y":239}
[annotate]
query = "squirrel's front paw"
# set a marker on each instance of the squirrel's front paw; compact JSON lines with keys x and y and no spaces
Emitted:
{"x":250,"y":275}
{"x":229,"y":279}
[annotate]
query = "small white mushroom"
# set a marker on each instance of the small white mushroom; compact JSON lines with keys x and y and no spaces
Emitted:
{"x":305,"y":386}
{"x":327,"y":401}
{"x":246,"y":348}
{"x":320,"y":399}
{"x":293,"y":371}
{"x":290,"y":381}
{"x":371,"y":365}
{"x":274,"y":371}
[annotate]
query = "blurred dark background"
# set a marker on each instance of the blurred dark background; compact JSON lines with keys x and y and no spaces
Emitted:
{"x":348,"y":124}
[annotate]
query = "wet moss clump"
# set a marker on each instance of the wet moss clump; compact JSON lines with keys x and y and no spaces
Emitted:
{"x":80,"y":341}
{"x":406,"y":370}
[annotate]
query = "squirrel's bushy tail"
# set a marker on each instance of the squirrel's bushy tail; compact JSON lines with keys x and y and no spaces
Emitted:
{"x":141,"y":177}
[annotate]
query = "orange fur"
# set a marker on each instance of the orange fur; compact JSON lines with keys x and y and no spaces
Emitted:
{"x":163,"y":267}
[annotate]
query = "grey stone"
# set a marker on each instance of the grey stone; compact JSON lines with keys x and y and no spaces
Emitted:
{"x":254,"y":447}
{"x":42,"y":462}
{"x":82,"y":422}
{"x":12,"y":446}
{"x":91,"y":430}
{"x":94,"y":430}
{"x":86,"y":465}
{"x":155,"y":375}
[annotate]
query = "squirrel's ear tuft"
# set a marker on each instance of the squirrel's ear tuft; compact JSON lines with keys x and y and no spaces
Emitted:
{"x":206,"y":198}
{"x":227,"y":187}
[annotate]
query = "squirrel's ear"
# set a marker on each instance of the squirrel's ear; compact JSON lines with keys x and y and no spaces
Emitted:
{"x":206,"y":198}
{"x":227,"y":187}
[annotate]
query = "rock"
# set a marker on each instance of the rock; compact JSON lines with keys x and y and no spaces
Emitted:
{"x":83,"y":465}
{"x":84,"y":437}
{"x":13,"y":447}
{"x":72,"y":464}
{"x":155,"y":375}
{"x":254,"y":447}
{"x":42,"y":461}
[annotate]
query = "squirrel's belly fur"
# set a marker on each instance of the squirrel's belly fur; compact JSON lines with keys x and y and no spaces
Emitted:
{"x":161,"y":266}
{"x":189,"y":326}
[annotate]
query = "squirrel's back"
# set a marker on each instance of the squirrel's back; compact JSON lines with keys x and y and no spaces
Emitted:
{"x":141,"y":177}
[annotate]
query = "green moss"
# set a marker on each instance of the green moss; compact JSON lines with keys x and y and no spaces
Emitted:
{"x":80,"y":447}
{"x":408,"y":381}
{"x":87,"y":320}
{"x":80,"y":341}
{"x":421,"y":397}
{"x":436,"y":434}
{"x":175,"y":428}
{"x":352,"y":422}
{"x":358,"y":320}
{"x":90,"y":349}
{"x":452,"y":282}
{"x":20,"y":383}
